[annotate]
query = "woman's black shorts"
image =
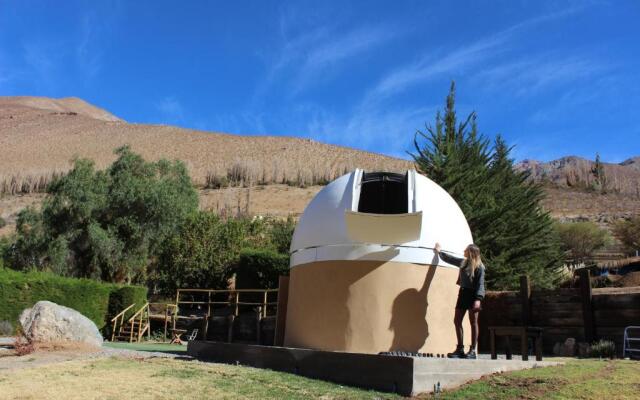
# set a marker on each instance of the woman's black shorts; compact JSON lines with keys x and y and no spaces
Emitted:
{"x":466,"y":297}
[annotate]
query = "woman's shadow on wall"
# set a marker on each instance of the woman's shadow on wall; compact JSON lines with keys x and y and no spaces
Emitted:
{"x":408,"y":315}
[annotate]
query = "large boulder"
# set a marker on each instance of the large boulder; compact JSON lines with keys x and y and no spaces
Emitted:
{"x":50,"y":322}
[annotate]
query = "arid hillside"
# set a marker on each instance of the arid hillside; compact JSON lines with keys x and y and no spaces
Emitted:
{"x":40,"y":137}
{"x":577,"y":173}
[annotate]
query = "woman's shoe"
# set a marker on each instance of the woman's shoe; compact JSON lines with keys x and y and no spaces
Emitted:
{"x":471,"y":355}
{"x":459,"y":353}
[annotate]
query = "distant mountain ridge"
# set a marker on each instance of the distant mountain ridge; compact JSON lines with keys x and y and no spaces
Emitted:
{"x":577,"y":172}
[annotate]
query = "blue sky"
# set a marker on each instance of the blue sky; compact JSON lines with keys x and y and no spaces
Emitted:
{"x":554,"y":78}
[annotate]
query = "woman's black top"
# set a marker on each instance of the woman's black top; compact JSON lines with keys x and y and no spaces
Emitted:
{"x":465,"y":280}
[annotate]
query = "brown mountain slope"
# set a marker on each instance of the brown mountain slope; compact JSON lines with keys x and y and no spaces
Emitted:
{"x":68,"y":105}
{"x":41,"y":136}
{"x":576,"y":172}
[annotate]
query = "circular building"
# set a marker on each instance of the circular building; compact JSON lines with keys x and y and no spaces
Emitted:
{"x":364,"y":277}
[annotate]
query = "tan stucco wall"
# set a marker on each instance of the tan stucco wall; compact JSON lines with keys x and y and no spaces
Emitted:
{"x":372,"y":306}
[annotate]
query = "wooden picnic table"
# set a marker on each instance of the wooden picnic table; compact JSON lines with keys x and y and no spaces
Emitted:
{"x":524,"y":332}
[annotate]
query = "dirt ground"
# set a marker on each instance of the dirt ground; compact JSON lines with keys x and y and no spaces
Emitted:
{"x":57,"y":354}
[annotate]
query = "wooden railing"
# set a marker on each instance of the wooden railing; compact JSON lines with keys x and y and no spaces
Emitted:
{"x":115,"y":322}
{"x":137,"y":320}
{"x":232,"y":300}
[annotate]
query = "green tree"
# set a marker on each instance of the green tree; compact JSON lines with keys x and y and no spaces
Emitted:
{"x":580,"y":240}
{"x":202,"y":253}
{"x":628,"y":233}
{"x":501,"y":205}
{"x":281,"y":233}
{"x":110,"y":224}
{"x":599,"y":176}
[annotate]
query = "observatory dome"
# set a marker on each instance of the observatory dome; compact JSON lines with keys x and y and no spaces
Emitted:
{"x":380,"y":216}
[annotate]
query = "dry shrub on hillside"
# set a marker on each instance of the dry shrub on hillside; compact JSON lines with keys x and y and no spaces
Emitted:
{"x":17,"y":184}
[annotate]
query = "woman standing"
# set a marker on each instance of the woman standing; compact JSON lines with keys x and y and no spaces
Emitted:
{"x":470,"y":295}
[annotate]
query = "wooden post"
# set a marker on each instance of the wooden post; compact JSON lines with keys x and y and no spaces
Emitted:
{"x":524,"y":345}
{"x":264,"y":304}
{"x":166,"y":319}
{"x":237,"y":299}
{"x":259,"y":325}
{"x":281,"y":312}
{"x":494,"y":353}
{"x":206,"y":322}
{"x":231,"y":318}
{"x":175,"y":311}
{"x":587,"y":306}
{"x":525,"y":298}
{"x":539,"y":347}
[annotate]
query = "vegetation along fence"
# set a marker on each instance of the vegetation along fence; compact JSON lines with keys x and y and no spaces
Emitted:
{"x":582,"y":313}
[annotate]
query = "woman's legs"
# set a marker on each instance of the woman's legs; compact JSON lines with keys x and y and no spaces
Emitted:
{"x":473,"y":318}
{"x":457,"y":321}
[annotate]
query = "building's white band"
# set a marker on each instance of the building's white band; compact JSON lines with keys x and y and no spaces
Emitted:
{"x":367,"y":252}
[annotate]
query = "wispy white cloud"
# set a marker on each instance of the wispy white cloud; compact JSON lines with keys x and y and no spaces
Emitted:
{"x":317,"y":53}
{"x":321,"y":58}
{"x":171,"y":109}
{"x":436,"y":64}
{"x":88,"y":56}
{"x":529,"y":75}
{"x":389,"y":130}
{"x":41,"y":59}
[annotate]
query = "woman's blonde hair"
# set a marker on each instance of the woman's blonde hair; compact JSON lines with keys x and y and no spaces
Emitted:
{"x":474,"y":260}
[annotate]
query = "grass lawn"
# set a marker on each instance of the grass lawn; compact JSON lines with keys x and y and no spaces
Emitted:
{"x":579,"y":379}
{"x":159,"y":378}
{"x":157,"y":347}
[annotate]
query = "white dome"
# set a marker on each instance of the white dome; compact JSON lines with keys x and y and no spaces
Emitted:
{"x":333,"y":226}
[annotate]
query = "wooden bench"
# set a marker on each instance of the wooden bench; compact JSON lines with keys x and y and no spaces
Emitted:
{"x":524,"y":332}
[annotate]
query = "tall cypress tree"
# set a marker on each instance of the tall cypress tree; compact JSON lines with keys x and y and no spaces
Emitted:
{"x":502,"y":205}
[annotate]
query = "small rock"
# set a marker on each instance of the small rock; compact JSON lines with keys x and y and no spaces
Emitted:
{"x":566,"y":349}
{"x":569,"y":347}
{"x":50,"y":322}
{"x":583,"y":349}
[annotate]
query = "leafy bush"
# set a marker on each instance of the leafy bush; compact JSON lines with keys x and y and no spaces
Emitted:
{"x":581,"y":239}
{"x":109,"y":224}
{"x":628,"y":233}
{"x":205,"y":251}
{"x":201,"y":254}
{"x":6,"y":328}
{"x":3,"y":223}
{"x":91,"y":298}
{"x":602,"y":349}
{"x":260,"y":269}
{"x":281,"y":233}
{"x":123,"y":297}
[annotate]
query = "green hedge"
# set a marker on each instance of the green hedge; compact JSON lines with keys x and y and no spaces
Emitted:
{"x":260,"y":269}
{"x":95,"y":300}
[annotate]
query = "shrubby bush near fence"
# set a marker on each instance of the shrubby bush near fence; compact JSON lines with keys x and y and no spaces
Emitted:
{"x":260,"y":269}
{"x":97,"y":301}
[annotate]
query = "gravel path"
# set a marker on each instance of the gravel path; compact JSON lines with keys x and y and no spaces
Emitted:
{"x":8,"y":361}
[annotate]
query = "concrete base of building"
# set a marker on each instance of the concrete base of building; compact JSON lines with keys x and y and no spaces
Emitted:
{"x":407,"y":376}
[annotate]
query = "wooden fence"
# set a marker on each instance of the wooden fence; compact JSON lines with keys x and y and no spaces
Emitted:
{"x":583,"y":313}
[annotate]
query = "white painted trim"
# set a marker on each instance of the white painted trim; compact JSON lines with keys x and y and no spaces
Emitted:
{"x":367,"y":252}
